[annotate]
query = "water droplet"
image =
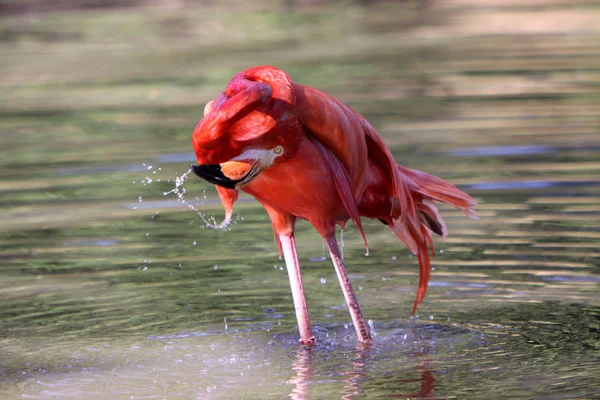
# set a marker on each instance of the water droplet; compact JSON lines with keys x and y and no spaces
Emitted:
{"x":372,"y":326}
{"x":180,"y":191}
{"x":323,"y":280}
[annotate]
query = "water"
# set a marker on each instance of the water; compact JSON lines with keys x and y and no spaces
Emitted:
{"x":180,"y":192}
{"x":109,"y":289}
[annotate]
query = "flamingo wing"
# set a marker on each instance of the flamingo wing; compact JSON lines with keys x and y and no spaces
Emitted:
{"x":353,"y":140}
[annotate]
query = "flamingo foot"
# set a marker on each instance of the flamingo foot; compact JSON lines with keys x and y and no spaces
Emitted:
{"x":307,"y":342}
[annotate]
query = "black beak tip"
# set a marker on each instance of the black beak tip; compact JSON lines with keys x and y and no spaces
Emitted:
{"x":197,"y":170}
{"x":213,"y":174}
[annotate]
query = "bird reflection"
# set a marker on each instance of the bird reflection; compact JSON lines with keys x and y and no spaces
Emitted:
{"x":303,"y":366}
{"x":426,"y":379}
{"x":354,"y":373}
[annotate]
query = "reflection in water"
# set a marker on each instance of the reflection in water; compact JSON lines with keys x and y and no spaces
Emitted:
{"x":420,"y":355}
{"x":529,"y":184}
{"x":303,"y":366}
{"x":516,"y":150}
{"x":426,"y":378}
{"x":356,"y":371}
{"x":187,"y":157}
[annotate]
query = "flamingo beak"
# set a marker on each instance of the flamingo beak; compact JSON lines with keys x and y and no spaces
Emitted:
{"x":214,"y":174}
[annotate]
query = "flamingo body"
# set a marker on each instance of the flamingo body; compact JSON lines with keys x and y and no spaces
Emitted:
{"x":320,"y":205}
{"x":304,"y":154}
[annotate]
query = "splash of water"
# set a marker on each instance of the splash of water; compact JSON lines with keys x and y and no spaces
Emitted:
{"x":372,"y":326}
{"x":180,"y":191}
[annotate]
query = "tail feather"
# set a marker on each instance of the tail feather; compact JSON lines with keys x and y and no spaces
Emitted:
{"x":431,"y":217}
{"x":438,"y":189}
{"x":415,"y":230}
{"x":424,"y":269}
{"x":405,"y":231}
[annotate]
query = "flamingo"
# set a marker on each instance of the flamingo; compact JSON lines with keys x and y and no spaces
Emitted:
{"x":305,"y":155}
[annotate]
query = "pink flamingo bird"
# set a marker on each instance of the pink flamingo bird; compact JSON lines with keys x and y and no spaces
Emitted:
{"x":305,"y":155}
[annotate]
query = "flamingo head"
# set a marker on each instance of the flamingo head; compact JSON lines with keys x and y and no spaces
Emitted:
{"x":248,"y":128}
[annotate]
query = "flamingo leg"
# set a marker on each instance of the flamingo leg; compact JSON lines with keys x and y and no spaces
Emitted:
{"x":288,"y":245}
{"x":362,"y":331}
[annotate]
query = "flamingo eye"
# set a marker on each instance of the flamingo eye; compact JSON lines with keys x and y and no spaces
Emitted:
{"x":278,"y":150}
